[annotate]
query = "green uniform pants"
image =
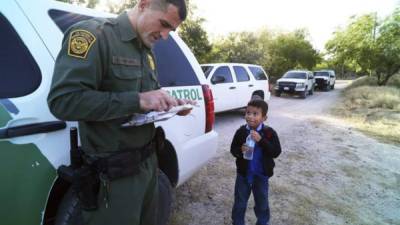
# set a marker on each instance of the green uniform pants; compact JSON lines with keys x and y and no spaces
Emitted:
{"x":131,"y":200}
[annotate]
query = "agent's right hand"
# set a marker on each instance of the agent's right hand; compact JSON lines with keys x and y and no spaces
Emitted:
{"x":157,"y":100}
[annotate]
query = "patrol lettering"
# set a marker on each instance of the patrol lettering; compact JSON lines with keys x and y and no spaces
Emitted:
{"x":192,"y":94}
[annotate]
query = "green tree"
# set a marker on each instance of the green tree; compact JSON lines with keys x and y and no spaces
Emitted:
{"x":368,"y":45}
{"x":291,"y":51}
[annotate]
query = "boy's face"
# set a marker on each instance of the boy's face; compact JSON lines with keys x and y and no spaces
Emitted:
{"x":254,"y":117}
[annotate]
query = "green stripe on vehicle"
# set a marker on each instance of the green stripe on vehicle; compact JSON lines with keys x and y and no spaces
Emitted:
{"x":26,"y":178}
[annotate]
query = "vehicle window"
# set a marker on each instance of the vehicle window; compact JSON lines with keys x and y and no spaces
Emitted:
{"x":207,"y":70}
{"x":173,"y":67}
{"x":295,"y":75}
{"x":16,"y":80}
{"x":258,"y":73}
{"x":241,"y":73}
{"x":325,"y":74}
{"x":64,"y":19}
{"x":224,"y":72}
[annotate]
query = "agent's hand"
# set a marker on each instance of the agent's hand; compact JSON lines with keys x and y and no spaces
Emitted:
{"x":184,"y":102}
{"x":158,"y":100}
{"x":255,"y":135}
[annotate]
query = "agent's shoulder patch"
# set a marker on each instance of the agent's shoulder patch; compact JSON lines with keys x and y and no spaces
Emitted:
{"x":79,"y":43}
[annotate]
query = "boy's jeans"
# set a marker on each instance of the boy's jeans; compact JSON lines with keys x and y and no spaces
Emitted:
{"x":242,"y":194}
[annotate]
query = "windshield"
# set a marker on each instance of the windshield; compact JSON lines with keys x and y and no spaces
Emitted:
{"x":321,"y":74}
{"x":295,"y":75}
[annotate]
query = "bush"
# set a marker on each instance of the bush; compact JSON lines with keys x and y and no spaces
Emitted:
{"x":373,"y":97}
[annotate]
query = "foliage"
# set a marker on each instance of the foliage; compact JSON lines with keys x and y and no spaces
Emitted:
{"x":192,"y":32}
{"x":370,"y":46}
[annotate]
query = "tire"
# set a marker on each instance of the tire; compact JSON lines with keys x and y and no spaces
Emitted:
{"x":278,"y":94}
{"x":70,"y":213}
{"x":311,"y":91}
{"x":333,"y":86}
{"x":304,"y":94}
{"x":165,"y":199}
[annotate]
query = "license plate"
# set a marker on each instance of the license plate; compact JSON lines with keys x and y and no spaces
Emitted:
{"x":286,"y":88}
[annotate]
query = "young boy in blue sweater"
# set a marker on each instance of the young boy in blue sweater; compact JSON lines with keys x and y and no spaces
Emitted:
{"x":253,"y":174}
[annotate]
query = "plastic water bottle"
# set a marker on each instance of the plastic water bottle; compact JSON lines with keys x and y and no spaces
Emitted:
{"x":250,"y":145}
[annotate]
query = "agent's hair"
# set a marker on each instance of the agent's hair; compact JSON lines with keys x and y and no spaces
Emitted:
{"x":259,"y":103}
{"x":163,"y":4}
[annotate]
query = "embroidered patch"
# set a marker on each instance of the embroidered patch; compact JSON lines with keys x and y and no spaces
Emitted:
{"x":79,"y":43}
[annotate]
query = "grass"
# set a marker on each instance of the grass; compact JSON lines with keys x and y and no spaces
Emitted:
{"x":373,"y":109}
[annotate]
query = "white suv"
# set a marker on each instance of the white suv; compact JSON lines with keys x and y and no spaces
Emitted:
{"x":233,"y":84}
{"x":325,"y":79}
{"x":299,"y":82}
{"x":33,"y":143}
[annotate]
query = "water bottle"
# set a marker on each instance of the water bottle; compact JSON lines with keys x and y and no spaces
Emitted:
{"x":250,"y":145}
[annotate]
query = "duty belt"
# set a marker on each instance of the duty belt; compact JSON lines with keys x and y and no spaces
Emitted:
{"x":123,"y":163}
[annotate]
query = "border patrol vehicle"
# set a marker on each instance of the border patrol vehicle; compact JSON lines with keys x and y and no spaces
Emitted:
{"x":233,"y":84}
{"x":325,"y":79}
{"x":33,"y":143}
{"x":300,"y":82}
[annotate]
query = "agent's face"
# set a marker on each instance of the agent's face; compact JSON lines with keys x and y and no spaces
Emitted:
{"x":254,"y":117}
{"x":154,"y":24}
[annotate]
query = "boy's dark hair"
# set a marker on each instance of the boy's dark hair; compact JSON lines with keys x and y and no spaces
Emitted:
{"x":259,"y":103}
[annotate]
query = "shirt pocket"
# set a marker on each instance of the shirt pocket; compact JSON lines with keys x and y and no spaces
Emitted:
{"x":124,"y":78}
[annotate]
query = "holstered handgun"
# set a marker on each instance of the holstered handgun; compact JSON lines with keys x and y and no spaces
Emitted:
{"x":83,"y":177}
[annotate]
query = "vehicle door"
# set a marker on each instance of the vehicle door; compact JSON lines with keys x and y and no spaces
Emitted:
{"x":245,"y":86}
{"x":223,"y":88}
{"x":32,"y":141}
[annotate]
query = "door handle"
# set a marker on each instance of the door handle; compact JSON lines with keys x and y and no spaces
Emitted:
{"x":33,"y":128}
{"x":232,"y":87}
{"x":251,"y":85}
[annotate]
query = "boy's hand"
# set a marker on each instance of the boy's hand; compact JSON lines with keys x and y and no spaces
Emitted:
{"x":244,"y":148}
{"x":255,"y":135}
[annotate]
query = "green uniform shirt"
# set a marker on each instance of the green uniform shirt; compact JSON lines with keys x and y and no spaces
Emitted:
{"x":98,"y":74}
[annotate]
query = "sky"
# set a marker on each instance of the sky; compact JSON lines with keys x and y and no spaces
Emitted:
{"x":320,"y":17}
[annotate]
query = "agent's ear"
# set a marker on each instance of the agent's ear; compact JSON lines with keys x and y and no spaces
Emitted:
{"x":143,"y":4}
{"x":265,"y":118}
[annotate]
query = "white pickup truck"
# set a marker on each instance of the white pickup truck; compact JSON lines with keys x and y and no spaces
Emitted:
{"x":233,"y":84}
{"x":325,"y":79}
{"x":300,"y":82}
{"x":33,"y":143}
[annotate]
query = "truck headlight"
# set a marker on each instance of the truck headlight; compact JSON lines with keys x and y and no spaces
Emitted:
{"x":300,"y":85}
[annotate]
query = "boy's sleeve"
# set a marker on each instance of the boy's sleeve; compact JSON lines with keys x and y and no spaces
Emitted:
{"x":236,"y":146}
{"x":271,"y":145}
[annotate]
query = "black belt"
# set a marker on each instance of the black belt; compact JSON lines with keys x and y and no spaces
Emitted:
{"x":123,"y":163}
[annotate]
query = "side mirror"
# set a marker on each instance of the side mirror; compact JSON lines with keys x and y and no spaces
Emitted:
{"x":217,"y":79}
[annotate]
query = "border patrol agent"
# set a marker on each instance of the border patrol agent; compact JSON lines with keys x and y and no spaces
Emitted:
{"x":105,"y":72}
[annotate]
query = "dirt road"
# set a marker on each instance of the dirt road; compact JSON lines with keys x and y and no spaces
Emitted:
{"x":327,"y":174}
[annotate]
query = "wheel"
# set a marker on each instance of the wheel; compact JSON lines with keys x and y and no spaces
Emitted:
{"x":165,"y":199}
{"x":70,"y":213}
{"x":311,"y":91}
{"x":333,"y":86}
{"x":257,"y":95}
{"x":304,"y":94}
{"x":278,"y":94}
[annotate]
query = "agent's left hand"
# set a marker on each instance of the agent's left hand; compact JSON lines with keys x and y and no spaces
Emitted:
{"x":184,"y":102}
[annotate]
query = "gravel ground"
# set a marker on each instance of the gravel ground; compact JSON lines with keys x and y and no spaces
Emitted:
{"x":327,"y":173}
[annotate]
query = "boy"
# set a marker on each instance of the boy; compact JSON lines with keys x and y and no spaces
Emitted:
{"x":252,"y":175}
